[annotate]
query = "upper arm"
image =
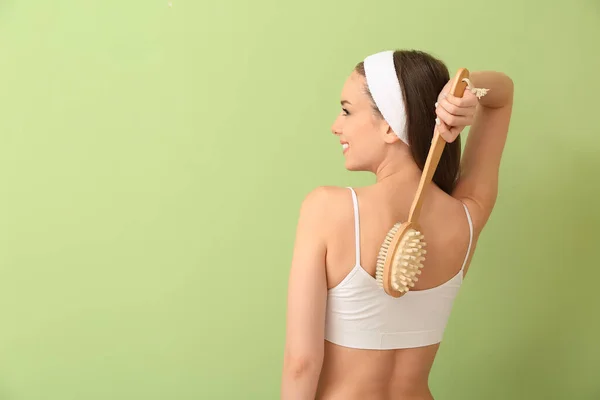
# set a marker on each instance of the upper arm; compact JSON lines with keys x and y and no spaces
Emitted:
{"x":479,"y":172}
{"x":307,"y":285}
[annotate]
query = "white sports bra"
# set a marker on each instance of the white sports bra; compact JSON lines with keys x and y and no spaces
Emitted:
{"x":361,"y":315}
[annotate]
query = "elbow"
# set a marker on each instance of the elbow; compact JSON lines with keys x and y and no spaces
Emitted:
{"x":300,"y":379}
{"x":302,"y":367}
{"x":510,"y":89}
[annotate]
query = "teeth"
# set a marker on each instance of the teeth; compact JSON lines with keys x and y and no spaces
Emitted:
{"x":345,"y":146}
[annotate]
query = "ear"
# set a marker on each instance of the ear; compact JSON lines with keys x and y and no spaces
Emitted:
{"x":389,"y":136}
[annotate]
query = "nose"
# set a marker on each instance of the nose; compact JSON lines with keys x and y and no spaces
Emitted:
{"x":336,"y":128}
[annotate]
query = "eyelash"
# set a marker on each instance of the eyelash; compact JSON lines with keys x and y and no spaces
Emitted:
{"x":345,"y":111}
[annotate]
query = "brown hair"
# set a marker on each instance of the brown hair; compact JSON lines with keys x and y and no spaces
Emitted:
{"x":422,"y":77}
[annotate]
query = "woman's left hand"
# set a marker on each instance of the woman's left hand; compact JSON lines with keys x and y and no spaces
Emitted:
{"x":454,"y":113}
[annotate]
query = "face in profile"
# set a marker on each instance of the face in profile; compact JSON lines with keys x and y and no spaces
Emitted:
{"x":362,"y":132}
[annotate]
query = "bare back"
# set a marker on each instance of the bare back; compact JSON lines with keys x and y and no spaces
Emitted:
{"x":350,"y":373}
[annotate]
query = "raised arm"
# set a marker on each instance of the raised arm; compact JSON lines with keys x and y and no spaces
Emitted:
{"x":478,"y":181}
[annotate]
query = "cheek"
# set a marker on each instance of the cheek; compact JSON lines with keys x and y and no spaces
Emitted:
{"x":359,"y":128}
{"x":365,"y":141}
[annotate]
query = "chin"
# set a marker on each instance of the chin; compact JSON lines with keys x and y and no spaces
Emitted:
{"x":351,"y":167}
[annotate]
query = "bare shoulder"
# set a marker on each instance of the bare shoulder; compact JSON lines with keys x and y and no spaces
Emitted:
{"x":324,"y":204}
{"x":323,"y":194}
{"x":324,"y":200}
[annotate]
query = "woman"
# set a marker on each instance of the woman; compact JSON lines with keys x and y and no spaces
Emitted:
{"x":347,"y":339}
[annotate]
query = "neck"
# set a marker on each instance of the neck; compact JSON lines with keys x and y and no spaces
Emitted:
{"x":398,"y":165}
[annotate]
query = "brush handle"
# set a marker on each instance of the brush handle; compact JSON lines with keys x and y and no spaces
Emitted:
{"x":435,"y":152}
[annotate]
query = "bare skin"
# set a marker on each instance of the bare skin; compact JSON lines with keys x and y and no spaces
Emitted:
{"x":315,"y":368}
{"x":358,"y":374}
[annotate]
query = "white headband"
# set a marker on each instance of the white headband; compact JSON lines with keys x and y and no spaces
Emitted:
{"x":385,"y":89}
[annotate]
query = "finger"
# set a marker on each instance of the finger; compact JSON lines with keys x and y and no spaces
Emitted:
{"x":444,"y":90}
{"x":446,"y":132}
{"x":441,"y":96}
{"x":454,"y":109}
{"x":468,"y":99}
{"x":442,"y":128}
{"x":455,"y":132}
{"x":452,"y":133}
{"x":450,"y":119}
{"x":459,"y":107}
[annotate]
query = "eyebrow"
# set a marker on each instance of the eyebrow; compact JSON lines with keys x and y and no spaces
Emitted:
{"x":345,"y":102}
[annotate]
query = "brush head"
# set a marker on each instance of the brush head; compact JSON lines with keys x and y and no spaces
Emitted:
{"x":400,"y":259}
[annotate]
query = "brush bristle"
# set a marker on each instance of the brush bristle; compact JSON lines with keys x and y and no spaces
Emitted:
{"x":383,"y":253}
{"x":407,"y":262}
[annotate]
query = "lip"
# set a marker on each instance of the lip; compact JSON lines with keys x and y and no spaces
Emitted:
{"x":344,"y":151}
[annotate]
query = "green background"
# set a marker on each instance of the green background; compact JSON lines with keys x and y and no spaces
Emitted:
{"x":153,"y":160}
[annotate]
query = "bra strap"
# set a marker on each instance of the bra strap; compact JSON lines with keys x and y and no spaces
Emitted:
{"x":470,"y":236}
{"x":356,"y":225}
